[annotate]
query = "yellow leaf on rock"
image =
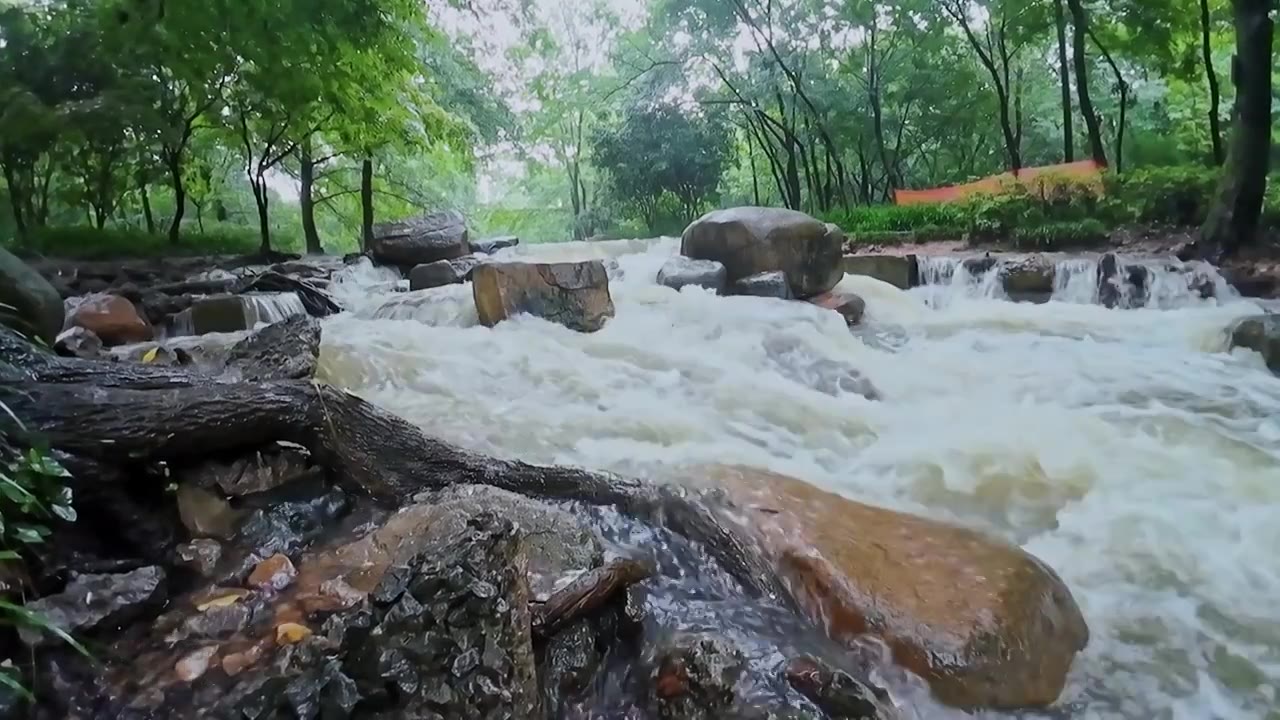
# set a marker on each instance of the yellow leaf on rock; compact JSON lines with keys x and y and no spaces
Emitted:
{"x":292,"y":633}
{"x":229,"y":598}
{"x":151,"y":354}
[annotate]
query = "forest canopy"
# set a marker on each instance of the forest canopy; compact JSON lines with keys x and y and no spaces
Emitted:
{"x":297,"y":124}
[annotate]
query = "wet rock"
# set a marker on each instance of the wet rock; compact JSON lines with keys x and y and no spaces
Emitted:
{"x":218,"y":314}
{"x":201,"y":555}
{"x":575,"y":295}
{"x":769,"y":285}
{"x":285,"y":350}
{"x":443,"y":272}
{"x":489,"y":246}
{"x":114,"y":319}
{"x":195,"y":665}
{"x":1111,"y":285}
{"x":985,"y":623}
{"x":680,"y":272}
{"x":571,"y":660}
{"x":291,"y":633}
{"x":289,"y":518}
{"x":850,"y":306}
{"x":267,"y":469}
{"x":78,"y":342}
{"x":753,"y":240}
{"x":1030,"y":275}
{"x":1262,"y":335}
{"x":420,"y":240}
{"x":274,"y":573}
{"x":900,"y":271}
{"x":836,"y":692}
{"x":205,"y":513}
{"x":28,"y":303}
{"x":694,"y":677}
{"x":90,"y":602}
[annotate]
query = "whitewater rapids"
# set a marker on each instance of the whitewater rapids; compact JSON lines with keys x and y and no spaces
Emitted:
{"x":1127,"y":449}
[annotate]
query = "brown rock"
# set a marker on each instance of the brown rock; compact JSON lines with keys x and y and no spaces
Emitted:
{"x":112,"y":318}
{"x":235,"y":663}
{"x":987,"y":624}
{"x":575,"y":295}
{"x":850,"y":306}
{"x":754,"y":240}
{"x":206,"y":514}
{"x":274,"y":573}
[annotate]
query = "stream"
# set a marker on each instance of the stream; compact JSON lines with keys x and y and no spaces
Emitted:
{"x":1126,"y":449}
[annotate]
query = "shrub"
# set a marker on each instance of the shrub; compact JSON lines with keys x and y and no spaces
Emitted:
{"x":1165,"y":196}
{"x":898,"y":218}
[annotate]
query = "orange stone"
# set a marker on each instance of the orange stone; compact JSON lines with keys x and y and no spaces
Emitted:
{"x":274,"y":573}
{"x":291,"y":633}
{"x":850,"y":306}
{"x":985,"y":623}
{"x":113,"y":319}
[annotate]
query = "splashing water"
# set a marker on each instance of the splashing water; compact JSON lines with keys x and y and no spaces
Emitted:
{"x":1125,"y":448}
{"x":268,"y":308}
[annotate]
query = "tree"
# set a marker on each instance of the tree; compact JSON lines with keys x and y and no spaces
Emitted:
{"x":1064,"y":74}
{"x":1080,"y":35}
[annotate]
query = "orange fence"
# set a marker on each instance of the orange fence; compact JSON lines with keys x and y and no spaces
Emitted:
{"x":1083,"y":171}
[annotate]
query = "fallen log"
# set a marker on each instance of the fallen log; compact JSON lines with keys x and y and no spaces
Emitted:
{"x":588,"y":593}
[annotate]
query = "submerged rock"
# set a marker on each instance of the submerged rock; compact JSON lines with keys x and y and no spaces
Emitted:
{"x":114,"y":319}
{"x":271,"y":467}
{"x":694,"y":677}
{"x":769,"y":285}
{"x":28,"y":303}
{"x":494,"y":244}
{"x":217,"y":314}
{"x":680,"y":272}
{"x":985,"y":623}
{"x":754,"y":240}
{"x":420,"y":240}
{"x":80,"y":343}
{"x":90,"y":602}
{"x":1262,"y":335}
{"x":900,"y":271}
{"x":575,"y":295}
{"x":850,"y":306}
{"x":839,"y":694}
{"x":201,"y":555}
{"x":205,"y":513}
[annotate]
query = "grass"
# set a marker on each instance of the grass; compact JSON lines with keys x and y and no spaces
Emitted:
{"x":88,"y":243}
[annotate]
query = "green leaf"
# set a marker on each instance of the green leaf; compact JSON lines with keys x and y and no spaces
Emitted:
{"x":35,"y":620}
{"x":15,"y":685}
{"x":29,"y":534}
{"x":66,"y":512}
{"x":7,"y":555}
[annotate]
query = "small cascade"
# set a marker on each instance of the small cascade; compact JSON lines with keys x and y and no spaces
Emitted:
{"x":268,"y":308}
{"x":1075,"y":280}
{"x":1115,"y":281}
{"x":945,"y":279}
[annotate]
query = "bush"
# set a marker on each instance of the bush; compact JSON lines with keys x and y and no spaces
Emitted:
{"x":88,"y":243}
{"x":1161,"y":196}
{"x":898,"y":218}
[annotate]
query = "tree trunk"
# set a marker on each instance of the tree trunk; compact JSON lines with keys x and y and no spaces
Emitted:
{"x":179,"y":197}
{"x":15,"y":202}
{"x":307,"y":179}
{"x":366,"y":203}
{"x":1064,"y":76}
{"x":259,"y":185}
{"x":1123,"y":88}
{"x":1080,"y":32}
{"x":146,"y":206}
{"x":1012,"y":146}
{"x":1233,"y":220}
{"x":1215,"y":91}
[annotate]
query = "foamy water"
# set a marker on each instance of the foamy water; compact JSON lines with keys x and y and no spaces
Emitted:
{"x":1125,"y":448}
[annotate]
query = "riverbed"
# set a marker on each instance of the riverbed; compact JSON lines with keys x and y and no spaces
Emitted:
{"x":1127,"y":449}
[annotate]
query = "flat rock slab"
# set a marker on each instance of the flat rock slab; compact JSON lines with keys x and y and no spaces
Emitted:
{"x":575,"y":295}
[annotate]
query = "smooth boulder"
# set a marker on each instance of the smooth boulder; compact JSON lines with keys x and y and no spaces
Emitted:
{"x":421,"y":240}
{"x":754,"y":240}
{"x":985,"y":623}
{"x":114,"y":319}
{"x":1262,"y":335}
{"x":681,"y":272}
{"x":768,"y":285}
{"x":28,"y":303}
{"x":575,"y":295}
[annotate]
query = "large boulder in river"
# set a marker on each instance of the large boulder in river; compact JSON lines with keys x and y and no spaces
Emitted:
{"x":421,"y":240}
{"x":754,"y":240}
{"x":985,"y":623}
{"x":112,"y":318}
{"x":575,"y":295}
{"x":1260,"y":334}
{"x":28,"y":303}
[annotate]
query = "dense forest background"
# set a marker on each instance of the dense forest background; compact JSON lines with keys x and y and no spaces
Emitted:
{"x":224,"y":125}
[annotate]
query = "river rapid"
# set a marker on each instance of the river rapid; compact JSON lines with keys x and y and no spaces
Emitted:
{"x":1127,"y":449}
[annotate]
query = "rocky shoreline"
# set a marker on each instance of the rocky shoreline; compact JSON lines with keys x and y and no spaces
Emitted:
{"x":254,"y":543}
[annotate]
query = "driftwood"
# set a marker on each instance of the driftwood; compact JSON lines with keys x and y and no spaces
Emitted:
{"x":117,"y":412}
{"x":587,"y":593}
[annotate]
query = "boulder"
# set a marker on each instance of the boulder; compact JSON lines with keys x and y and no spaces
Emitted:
{"x":420,"y":240}
{"x":985,"y":623}
{"x":769,"y":285}
{"x":850,"y":306}
{"x":680,"y":272}
{"x":1262,"y":335}
{"x":113,"y":318}
{"x":575,"y":295}
{"x":443,"y":272}
{"x":489,"y":246}
{"x":97,"y":601}
{"x":28,"y":303}
{"x":695,"y":677}
{"x":900,"y":271}
{"x":78,"y":342}
{"x":754,"y":240}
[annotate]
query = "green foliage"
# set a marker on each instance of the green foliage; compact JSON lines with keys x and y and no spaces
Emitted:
{"x":1165,"y":195}
{"x":88,"y":243}
{"x":1060,"y":235}
{"x":938,"y":218}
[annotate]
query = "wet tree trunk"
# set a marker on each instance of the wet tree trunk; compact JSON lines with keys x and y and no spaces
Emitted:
{"x":174,"y":161}
{"x":1215,"y":91}
{"x":306,"y":198}
{"x":147,"y":215}
{"x":1233,"y":220}
{"x":1122,"y":87}
{"x":1064,"y":76}
{"x":366,"y":203}
{"x":1080,"y":33}
{"x":259,"y":185}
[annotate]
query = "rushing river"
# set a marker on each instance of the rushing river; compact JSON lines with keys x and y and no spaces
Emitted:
{"x":1125,"y":448}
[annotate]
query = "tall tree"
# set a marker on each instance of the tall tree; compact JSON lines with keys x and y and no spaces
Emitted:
{"x":1080,"y":39}
{"x":1211,"y":75}
{"x":1064,"y":77}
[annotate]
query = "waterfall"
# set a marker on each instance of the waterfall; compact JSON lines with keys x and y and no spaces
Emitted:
{"x":945,"y":279}
{"x":268,"y":308}
{"x":1139,"y":283}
